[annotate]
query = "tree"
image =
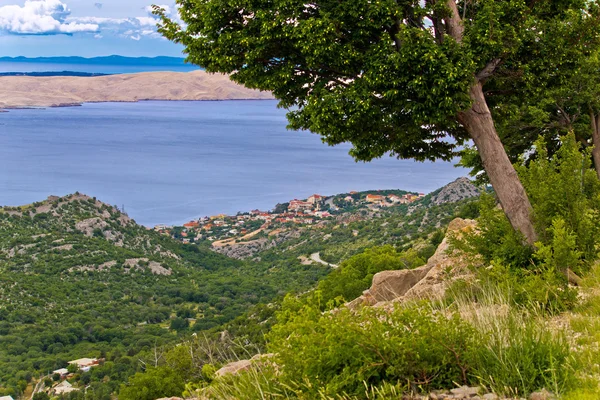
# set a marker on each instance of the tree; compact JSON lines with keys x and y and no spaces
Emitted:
{"x":390,"y":76}
{"x":152,"y":384}
{"x":41,"y":396}
{"x":553,"y":96}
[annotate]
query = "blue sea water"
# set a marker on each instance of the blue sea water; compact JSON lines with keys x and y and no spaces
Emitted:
{"x":168,"y":162}
{"x":7,"y":66}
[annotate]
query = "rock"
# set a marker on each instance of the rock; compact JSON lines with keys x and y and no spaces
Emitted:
{"x":490,"y":396}
{"x":541,"y":395}
{"x":428,"y":281}
{"x":465,"y":392}
{"x":234,"y":368}
{"x":170,"y":398}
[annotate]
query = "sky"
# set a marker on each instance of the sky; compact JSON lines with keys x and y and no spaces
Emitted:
{"x":86,"y":28}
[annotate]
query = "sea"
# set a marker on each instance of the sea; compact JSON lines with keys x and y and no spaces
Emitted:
{"x":116,"y":68}
{"x":169,"y":162}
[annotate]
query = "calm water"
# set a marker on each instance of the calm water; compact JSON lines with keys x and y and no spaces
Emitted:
{"x":168,"y":162}
{"x":90,"y":68}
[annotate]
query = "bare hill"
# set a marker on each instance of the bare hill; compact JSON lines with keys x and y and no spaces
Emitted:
{"x":26,"y":91}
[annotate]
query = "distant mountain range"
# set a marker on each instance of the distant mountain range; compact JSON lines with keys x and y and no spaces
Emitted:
{"x":107,"y":60}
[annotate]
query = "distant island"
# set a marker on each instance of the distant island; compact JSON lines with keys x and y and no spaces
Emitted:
{"x":63,"y":91}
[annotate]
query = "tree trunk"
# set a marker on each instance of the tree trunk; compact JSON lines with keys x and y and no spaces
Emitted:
{"x":595,"y":121}
{"x":479,"y":124}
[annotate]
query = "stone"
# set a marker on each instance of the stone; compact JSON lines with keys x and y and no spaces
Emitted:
{"x":490,"y":396}
{"x":234,"y":368}
{"x":541,"y":395}
{"x":429,"y":281}
{"x":465,"y":391}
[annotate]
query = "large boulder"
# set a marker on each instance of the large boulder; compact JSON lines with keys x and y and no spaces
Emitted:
{"x":428,"y":281}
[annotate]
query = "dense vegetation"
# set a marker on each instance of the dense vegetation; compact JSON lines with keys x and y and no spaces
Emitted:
{"x":80,"y":279}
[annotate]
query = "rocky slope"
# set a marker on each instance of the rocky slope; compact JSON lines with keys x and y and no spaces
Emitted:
{"x":26,"y":91}
{"x":460,"y":189}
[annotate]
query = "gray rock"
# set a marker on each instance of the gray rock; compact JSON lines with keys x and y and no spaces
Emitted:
{"x":460,"y":189}
{"x":490,"y":396}
{"x":465,"y":391}
{"x":541,"y":395}
{"x":234,"y":368}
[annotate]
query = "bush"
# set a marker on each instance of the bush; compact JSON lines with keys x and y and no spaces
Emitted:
{"x":341,"y":352}
{"x":152,"y":384}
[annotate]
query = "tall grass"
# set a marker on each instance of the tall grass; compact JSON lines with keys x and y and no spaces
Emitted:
{"x":518,"y":352}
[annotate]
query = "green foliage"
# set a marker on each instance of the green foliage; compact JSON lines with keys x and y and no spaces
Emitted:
{"x":356,"y":273}
{"x":41,"y":396}
{"x":154,"y":383}
{"x":565,"y":195}
{"x":564,"y":186}
{"x":70,"y":292}
{"x":341,"y":352}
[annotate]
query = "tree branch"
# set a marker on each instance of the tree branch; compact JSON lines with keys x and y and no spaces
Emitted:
{"x":488,"y":70}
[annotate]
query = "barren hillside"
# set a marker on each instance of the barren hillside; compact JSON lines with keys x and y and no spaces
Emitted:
{"x":24,"y":91}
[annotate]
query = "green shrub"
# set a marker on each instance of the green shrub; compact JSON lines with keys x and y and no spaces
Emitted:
{"x":152,"y":384}
{"x":343,"y":351}
{"x":564,"y":186}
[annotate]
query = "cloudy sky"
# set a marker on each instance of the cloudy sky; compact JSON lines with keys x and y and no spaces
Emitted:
{"x":88,"y":28}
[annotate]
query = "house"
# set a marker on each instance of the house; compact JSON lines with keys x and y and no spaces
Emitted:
{"x":375,"y":198}
{"x":349,"y":199}
{"x":192,"y":224}
{"x":6,"y":398}
{"x":315,"y":199}
{"x":62,"y":388}
{"x":84,"y":364}
{"x":297,"y":205}
{"x":394,"y":198}
{"x":63,"y":372}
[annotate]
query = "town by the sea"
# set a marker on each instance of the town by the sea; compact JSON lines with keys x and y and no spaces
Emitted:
{"x":169,"y":162}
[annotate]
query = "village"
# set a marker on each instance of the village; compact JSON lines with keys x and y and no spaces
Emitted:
{"x":223,"y":229}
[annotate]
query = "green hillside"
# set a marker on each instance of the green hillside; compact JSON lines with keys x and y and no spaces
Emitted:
{"x":81,"y":279}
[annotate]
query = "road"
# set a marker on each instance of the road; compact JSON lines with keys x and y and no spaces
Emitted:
{"x":316,"y":257}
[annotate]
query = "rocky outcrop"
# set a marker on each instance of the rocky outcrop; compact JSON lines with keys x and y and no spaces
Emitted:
{"x":428,"y":281}
{"x":460,"y":189}
{"x":235,"y":367}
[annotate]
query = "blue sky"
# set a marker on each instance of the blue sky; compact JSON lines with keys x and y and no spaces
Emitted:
{"x":87,"y":28}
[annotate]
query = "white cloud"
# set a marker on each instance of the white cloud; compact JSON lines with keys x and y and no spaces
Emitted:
{"x":41,"y":17}
{"x":125,"y":27}
{"x":48,"y":17}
